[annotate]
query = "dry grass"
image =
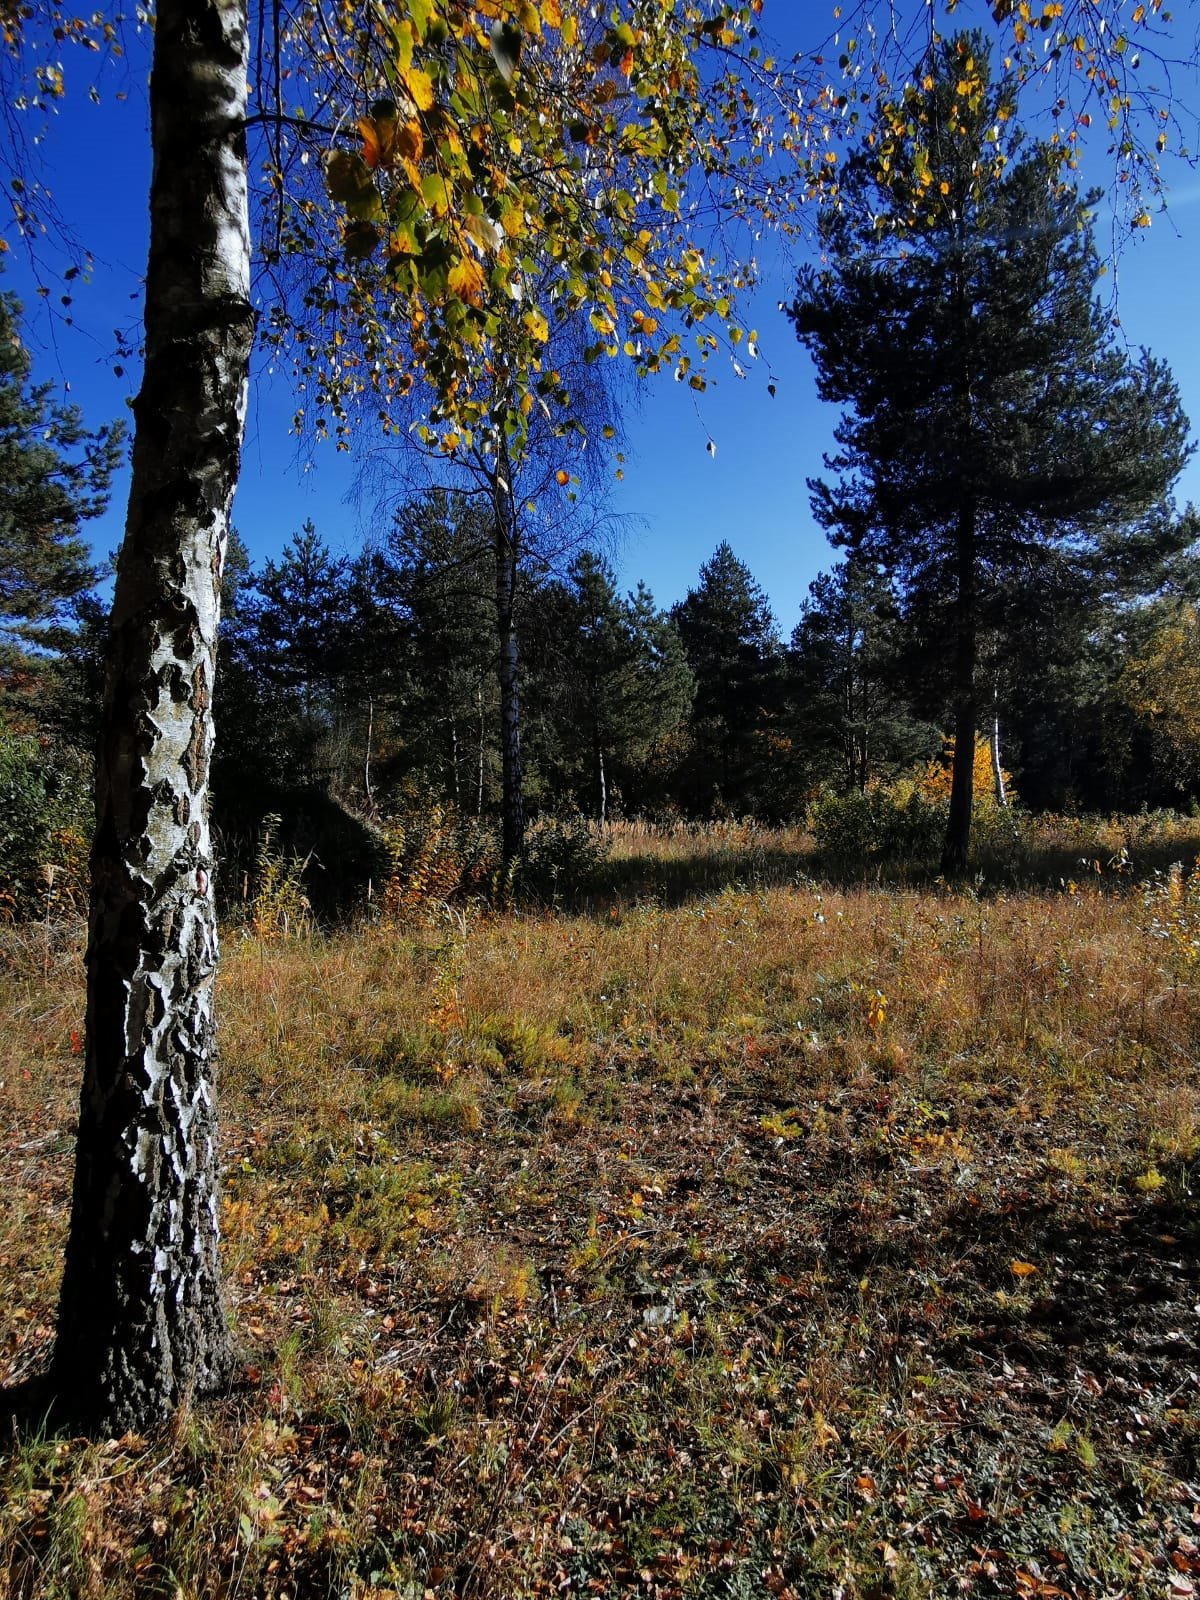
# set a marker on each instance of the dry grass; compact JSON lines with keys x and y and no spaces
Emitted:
{"x":789,"y":1240}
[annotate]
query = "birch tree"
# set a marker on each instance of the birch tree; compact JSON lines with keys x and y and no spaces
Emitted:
{"x":141,"y":1326}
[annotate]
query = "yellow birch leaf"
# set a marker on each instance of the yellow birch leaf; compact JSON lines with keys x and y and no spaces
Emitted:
{"x":420,"y":88}
{"x":437,"y":196}
{"x":536,"y":326}
{"x":465,"y":279}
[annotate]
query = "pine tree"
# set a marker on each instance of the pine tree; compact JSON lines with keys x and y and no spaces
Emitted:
{"x":620,"y":681}
{"x":733,"y":650}
{"x":54,"y":476}
{"x":1001,"y":447}
{"x":428,"y":643}
{"x":300,"y":625}
{"x":850,"y":716}
{"x":252,"y":758}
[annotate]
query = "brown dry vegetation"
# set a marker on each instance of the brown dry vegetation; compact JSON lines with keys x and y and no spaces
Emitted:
{"x":779,"y":1241}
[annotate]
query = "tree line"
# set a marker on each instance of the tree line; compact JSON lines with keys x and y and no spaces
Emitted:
{"x":1014,"y":567}
{"x":372,"y":679}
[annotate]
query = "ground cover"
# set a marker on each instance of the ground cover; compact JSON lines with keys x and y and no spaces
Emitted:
{"x":780,"y":1240}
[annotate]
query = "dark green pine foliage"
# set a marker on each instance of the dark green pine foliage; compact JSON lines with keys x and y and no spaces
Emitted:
{"x":1002,"y":455}
{"x":615,"y":685}
{"x":849,"y":716}
{"x":299,"y":620}
{"x":734,"y":652}
{"x":427,"y":643}
{"x":252,"y":756}
{"x":54,"y":476}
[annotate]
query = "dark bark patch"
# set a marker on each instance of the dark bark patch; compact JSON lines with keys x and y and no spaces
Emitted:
{"x":196,"y":758}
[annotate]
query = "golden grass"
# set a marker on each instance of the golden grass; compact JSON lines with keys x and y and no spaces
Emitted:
{"x":789,"y":1240}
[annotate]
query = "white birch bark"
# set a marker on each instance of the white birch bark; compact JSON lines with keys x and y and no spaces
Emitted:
{"x":141,"y":1325}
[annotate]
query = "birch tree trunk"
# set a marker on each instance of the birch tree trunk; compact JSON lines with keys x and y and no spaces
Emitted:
{"x":998,"y":785}
{"x":512,"y":802}
{"x":955,"y":852}
{"x":141,"y":1326}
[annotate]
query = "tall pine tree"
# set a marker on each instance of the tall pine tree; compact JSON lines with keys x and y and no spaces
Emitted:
{"x":734,"y":652}
{"x":1001,"y":449}
{"x":54,"y":475}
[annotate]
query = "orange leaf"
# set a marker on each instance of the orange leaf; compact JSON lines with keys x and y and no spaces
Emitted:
{"x":372,"y":142}
{"x":409,"y":143}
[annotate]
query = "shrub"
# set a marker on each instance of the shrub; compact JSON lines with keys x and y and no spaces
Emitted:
{"x":434,"y":853}
{"x":562,"y":856}
{"x":278,"y":905}
{"x":45,"y":825}
{"x":881,"y":825}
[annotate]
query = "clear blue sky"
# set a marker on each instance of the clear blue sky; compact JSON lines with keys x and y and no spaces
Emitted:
{"x":678,"y":499}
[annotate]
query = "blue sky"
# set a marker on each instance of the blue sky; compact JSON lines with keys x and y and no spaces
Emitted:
{"x":677,"y":499}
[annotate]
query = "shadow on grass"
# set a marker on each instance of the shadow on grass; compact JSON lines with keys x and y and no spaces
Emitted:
{"x":1114,"y":1294}
{"x":26,"y":1410}
{"x":1101,"y":1297}
{"x":680,"y":879}
{"x":676,"y":880}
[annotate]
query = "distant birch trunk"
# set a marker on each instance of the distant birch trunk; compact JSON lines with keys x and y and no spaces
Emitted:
{"x":997,"y":766}
{"x":141,"y":1326}
{"x":958,"y":823}
{"x":512,"y":799}
{"x":368,"y":792}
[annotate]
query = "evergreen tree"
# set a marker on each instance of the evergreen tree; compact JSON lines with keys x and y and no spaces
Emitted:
{"x":657,"y":694}
{"x":1002,"y":451}
{"x":622,"y":683}
{"x":733,"y":650}
{"x":428,"y":642}
{"x":252,"y":756}
{"x":54,"y":476}
{"x":299,"y":622}
{"x":850,"y":717}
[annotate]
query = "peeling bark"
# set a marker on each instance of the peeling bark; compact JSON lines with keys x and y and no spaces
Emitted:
{"x":141,"y":1326}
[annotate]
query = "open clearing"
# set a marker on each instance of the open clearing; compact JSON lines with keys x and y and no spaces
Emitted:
{"x":786,"y":1241}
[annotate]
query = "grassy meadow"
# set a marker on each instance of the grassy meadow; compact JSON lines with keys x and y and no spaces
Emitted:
{"x":740,"y":1232}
